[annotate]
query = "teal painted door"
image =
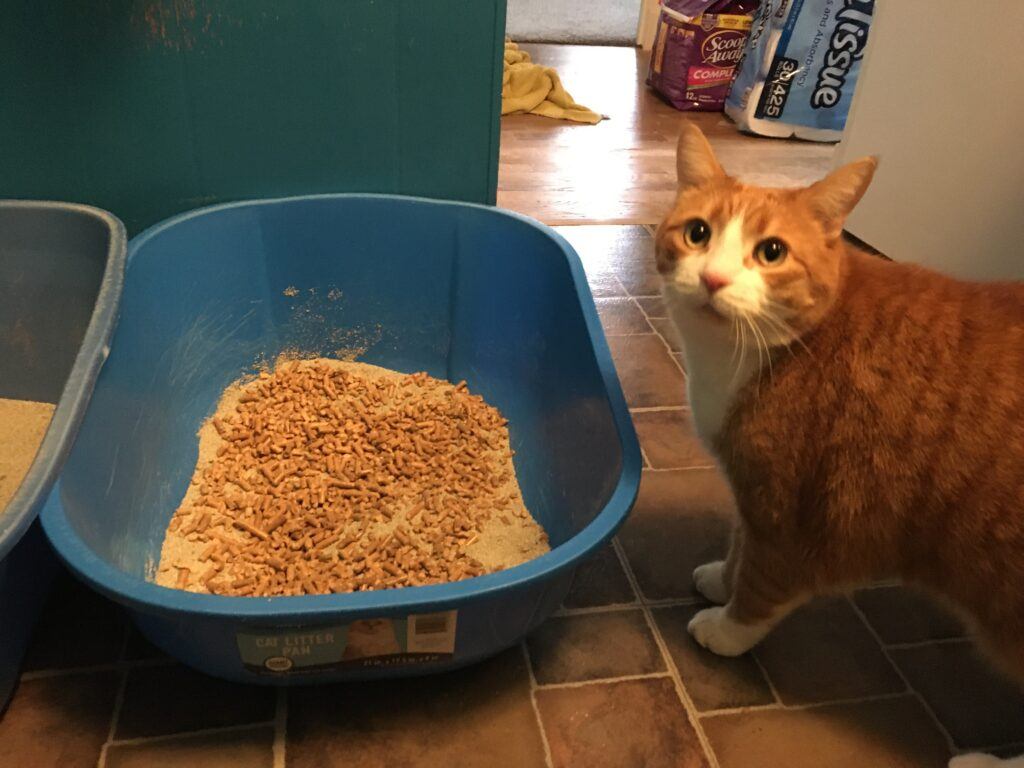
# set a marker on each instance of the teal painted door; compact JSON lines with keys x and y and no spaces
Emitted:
{"x":151,"y":107}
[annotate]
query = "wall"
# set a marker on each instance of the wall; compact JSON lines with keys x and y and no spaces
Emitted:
{"x":151,"y":107}
{"x":941,"y":100}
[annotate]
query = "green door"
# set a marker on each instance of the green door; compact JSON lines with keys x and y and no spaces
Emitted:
{"x":152,"y":107}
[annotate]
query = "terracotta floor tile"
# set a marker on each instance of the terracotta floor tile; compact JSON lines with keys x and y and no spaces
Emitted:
{"x":713,"y":682}
{"x":600,"y":248}
{"x":251,"y":748}
{"x":99,"y":628}
{"x":648,"y":374}
{"x":901,"y":615}
{"x":478,"y":717}
{"x":603,"y":282}
{"x":599,"y":581}
{"x":605,"y":244}
{"x":669,"y":440}
{"x":571,"y":649}
{"x":639,"y":274}
{"x":669,"y":333}
{"x":679,"y":359}
{"x":171,"y":698}
{"x":625,"y":251}
{"x":626,"y":724}
{"x":891,"y":733}
{"x":823,"y":652}
{"x":682,"y":519}
{"x":978,"y":707}
{"x":58,"y":722}
{"x":621,"y":316}
{"x":653,"y":307}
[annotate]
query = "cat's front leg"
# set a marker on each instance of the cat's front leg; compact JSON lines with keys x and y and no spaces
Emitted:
{"x":709,"y":580}
{"x":714,"y":579}
{"x":715,"y":629}
{"x":763,"y":594}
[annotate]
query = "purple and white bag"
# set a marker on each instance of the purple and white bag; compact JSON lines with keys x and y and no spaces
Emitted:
{"x":696,"y":49}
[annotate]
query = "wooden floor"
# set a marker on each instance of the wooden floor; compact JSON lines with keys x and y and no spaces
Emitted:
{"x":622,"y":170}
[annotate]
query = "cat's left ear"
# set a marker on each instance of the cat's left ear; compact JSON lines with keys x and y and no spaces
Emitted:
{"x":834,"y":197}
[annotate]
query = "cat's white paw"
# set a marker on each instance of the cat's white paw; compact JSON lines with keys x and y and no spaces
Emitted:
{"x":709,"y":579}
{"x":978,"y":760}
{"x":720,"y":634}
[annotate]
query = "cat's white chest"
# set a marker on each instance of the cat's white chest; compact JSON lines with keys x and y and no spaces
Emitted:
{"x":717,"y":368}
{"x":711,"y":395}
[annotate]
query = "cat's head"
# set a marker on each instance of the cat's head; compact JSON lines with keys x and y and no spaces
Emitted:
{"x":730,"y":253}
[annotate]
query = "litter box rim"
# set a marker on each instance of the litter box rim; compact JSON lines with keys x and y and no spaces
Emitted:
{"x":147,"y":597}
{"x":23,"y":507}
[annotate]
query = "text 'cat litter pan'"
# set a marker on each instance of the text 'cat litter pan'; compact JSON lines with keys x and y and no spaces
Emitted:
{"x":61,"y":269}
{"x":460,"y":291}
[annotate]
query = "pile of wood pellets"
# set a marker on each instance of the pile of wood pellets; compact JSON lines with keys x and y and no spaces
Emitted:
{"x":323,"y":476}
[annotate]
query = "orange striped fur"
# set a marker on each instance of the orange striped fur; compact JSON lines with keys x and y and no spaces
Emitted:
{"x":881,"y":433}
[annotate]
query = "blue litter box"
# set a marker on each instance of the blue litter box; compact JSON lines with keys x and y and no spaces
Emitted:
{"x":61,"y":269}
{"x":460,"y":291}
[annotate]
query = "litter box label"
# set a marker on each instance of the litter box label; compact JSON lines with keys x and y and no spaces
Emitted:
{"x":417,"y":639}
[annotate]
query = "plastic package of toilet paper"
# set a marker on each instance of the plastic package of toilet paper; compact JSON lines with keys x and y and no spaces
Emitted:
{"x":800,"y":67}
{"x":696,"y":49}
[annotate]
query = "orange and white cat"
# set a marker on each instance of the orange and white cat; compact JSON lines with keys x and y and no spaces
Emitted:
{"x":869,"y":415}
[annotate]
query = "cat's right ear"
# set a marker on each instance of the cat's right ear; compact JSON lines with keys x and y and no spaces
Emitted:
{"x":695,"y":160}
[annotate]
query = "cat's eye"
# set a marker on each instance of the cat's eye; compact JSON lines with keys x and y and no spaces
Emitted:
{"x":696,"y":232}
{"x":770,"y":251}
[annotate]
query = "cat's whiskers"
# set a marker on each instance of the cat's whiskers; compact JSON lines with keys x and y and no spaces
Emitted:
{"x":735,"y":340}
{"x":757,"y":343}
{"x":785,"y":328}
{"x":743,"y":355}
{"x":762,"y":340}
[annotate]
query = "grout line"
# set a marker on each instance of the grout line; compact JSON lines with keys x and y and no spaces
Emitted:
{"x":603,"y":681}
{"x":646,"y":459}
{"x":801,"y":707}
{"x":187,"y":734}
{"x":658,"y":408}
{"x":548,"y":760}
{"x":766,"y":677}
{"x":676,"y":602}
{"x":664,"y":602}
{"x":592,"y":609}
{"x":280,"y":727}
{"x":885,"y":652}
{"x":113,"y":666}
{"x":664,"y":341}
{"x":684,"y":697}
{"x":115,"y":717}
{"x":675,"y":359}
{"x":122,"y":683}
{"x":680,"y":469}
{"x":925,"y":643}
{"x":751,"y":708}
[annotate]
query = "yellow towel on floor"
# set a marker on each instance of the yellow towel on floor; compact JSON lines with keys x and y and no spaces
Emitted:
{"x":529,"y":87}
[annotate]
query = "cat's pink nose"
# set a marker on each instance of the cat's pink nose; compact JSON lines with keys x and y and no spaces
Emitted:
{"x":714,"y":281}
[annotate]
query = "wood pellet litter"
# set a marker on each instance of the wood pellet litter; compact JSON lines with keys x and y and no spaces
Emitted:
{"x":328,"y":476}
{"x":23,"y":426}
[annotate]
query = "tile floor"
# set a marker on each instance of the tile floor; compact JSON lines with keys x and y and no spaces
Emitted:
{"x":612,"y":681}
